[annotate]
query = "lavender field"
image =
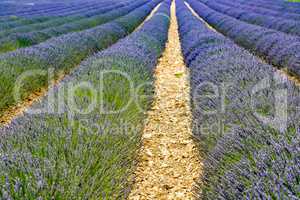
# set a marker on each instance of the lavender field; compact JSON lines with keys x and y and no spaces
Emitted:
{"x":150,"y":99}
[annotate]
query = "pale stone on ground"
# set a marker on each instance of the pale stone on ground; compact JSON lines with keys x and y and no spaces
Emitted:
{"x":169,"y":164}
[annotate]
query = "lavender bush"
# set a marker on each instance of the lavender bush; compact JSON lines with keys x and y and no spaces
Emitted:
{"x":277,"y":48}
{"x":19,"y":12}
{"x":261,"y":10}
{"x":279,"y":6}
{"x":63,"y":53}
{"x":44,"y":157}
{"x":19,"y":40}
{"x":284,"y":25}
{"x":38,"y":23}
{"x":246,"y":157}
{"x":42,"y":8}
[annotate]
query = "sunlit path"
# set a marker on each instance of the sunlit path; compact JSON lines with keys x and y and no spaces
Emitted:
{"x":168,"y":162}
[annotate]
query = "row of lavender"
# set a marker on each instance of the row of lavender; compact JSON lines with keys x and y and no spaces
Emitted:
{"x":11,"y":9}
{"x":277,"y":48}
{"x":84,"y":12}
{"x":244,"y":115}
{"x":49,"y":30}
{"x":91,"y":155}
{"x":281,"y":6}
{"x":284,"y":25}
{"x":262,"y":10}
{"x":42,"y":9}
{"x":63,"y":53}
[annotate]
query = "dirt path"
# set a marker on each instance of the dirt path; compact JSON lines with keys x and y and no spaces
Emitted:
{"x":283,"y":72}
{"x":169,"y":163}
